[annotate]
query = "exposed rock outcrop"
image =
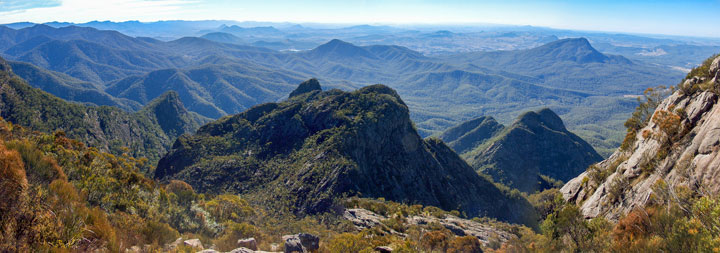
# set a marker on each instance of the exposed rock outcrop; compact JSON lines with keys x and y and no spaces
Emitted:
{"x":363,"y":219}
{"x":680,"y":145}
{"x":305,"y":87}
{"x":194,"y":243}
{"x":301,"y":243}
{"x":249,"y":243}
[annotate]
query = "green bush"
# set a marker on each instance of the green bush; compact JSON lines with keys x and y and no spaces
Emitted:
{"x":159,"y":233}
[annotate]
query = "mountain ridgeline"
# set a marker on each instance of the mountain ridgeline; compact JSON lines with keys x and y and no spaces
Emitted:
{"x":147,"y":133}
{"x":319,"y":146}
{"x":110,"y":68}
{"x":529,"y":154}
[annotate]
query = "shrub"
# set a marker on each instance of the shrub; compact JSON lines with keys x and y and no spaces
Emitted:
{"x":546,"y":201}
{"x":643,"y":112}
{"x":13,"y":183}
{"x":232,"y":233}
{"x":396,"y":223}
{"x":40,"y":169}
{"x":464,"y":244}
{"x":228,"y":207}
{"x":616,"y":188}
{"x":703,"y":70}
{"x":100,"y":229}
{"x":668,"y":122}
{"x":634,"y":226}
{"x":159,"y":233}
{"x":182,"y":190}
{"x":349,"y":242}
{"x":597,"y":174}
{"x":435,"y":240}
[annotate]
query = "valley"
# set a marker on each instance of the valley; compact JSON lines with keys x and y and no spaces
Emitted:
{"x":249,"y":136}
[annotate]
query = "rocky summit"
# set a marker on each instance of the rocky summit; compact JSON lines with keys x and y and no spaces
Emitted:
{"x":318,"y":146}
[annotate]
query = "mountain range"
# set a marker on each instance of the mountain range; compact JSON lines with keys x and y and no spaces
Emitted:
{"x":148,"y":132}
{"x":568,"y":75}
{"x":111,"y":142}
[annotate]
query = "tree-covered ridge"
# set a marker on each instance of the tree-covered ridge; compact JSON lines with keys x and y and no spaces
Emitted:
{"x":307,"y":152}
{"x":147,"y":133}
{"x":531,"y":154}
{"x":68,"y":88}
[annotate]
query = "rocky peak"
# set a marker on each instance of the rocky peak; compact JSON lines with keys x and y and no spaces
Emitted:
{"x":680,"y":146}
{"x":537,"y":146}
{"x":306,"y":87}
{"x":542,"y":118}
{"x":171,"y":114}
{"x":310,"y":152}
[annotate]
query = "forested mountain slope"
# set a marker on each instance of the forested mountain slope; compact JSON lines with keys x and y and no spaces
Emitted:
{"x":307,"y":152}
{"x":147,"y":133}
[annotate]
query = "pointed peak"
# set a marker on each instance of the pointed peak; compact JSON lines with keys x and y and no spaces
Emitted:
{"x":338,"y":48}
{"x":169,"y":98}
{"x":169,"y":95}
{"x":305,"y":87}
{"x":335,"y":44}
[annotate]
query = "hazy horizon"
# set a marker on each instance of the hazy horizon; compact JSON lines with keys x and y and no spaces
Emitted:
{"x":688,"y":18}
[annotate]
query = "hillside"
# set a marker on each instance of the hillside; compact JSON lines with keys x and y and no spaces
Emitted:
{"x":674,"y":145}
{"x":586,"y":87}
{"x":106,"y":128}
{"x":529,"y":154}
{"x":470,"y":134}
{"x":307,"y":152}
{"x":242,"y":87}
{"x":67,"y":87}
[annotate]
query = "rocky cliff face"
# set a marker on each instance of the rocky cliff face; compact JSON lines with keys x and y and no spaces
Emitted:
{"x":523,"y":155}
{"x":680,"y":145}
{"x":317,"y":147}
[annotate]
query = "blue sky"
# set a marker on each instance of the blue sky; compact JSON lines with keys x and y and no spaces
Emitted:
{"x":689,"y":17}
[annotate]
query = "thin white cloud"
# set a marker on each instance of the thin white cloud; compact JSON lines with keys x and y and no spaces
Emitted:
{"x":18,"y":5}
{"x":89,"y":10}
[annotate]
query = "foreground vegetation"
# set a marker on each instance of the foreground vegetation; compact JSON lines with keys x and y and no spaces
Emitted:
{"x":59,"y":195}
{"x":679,"y":220}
